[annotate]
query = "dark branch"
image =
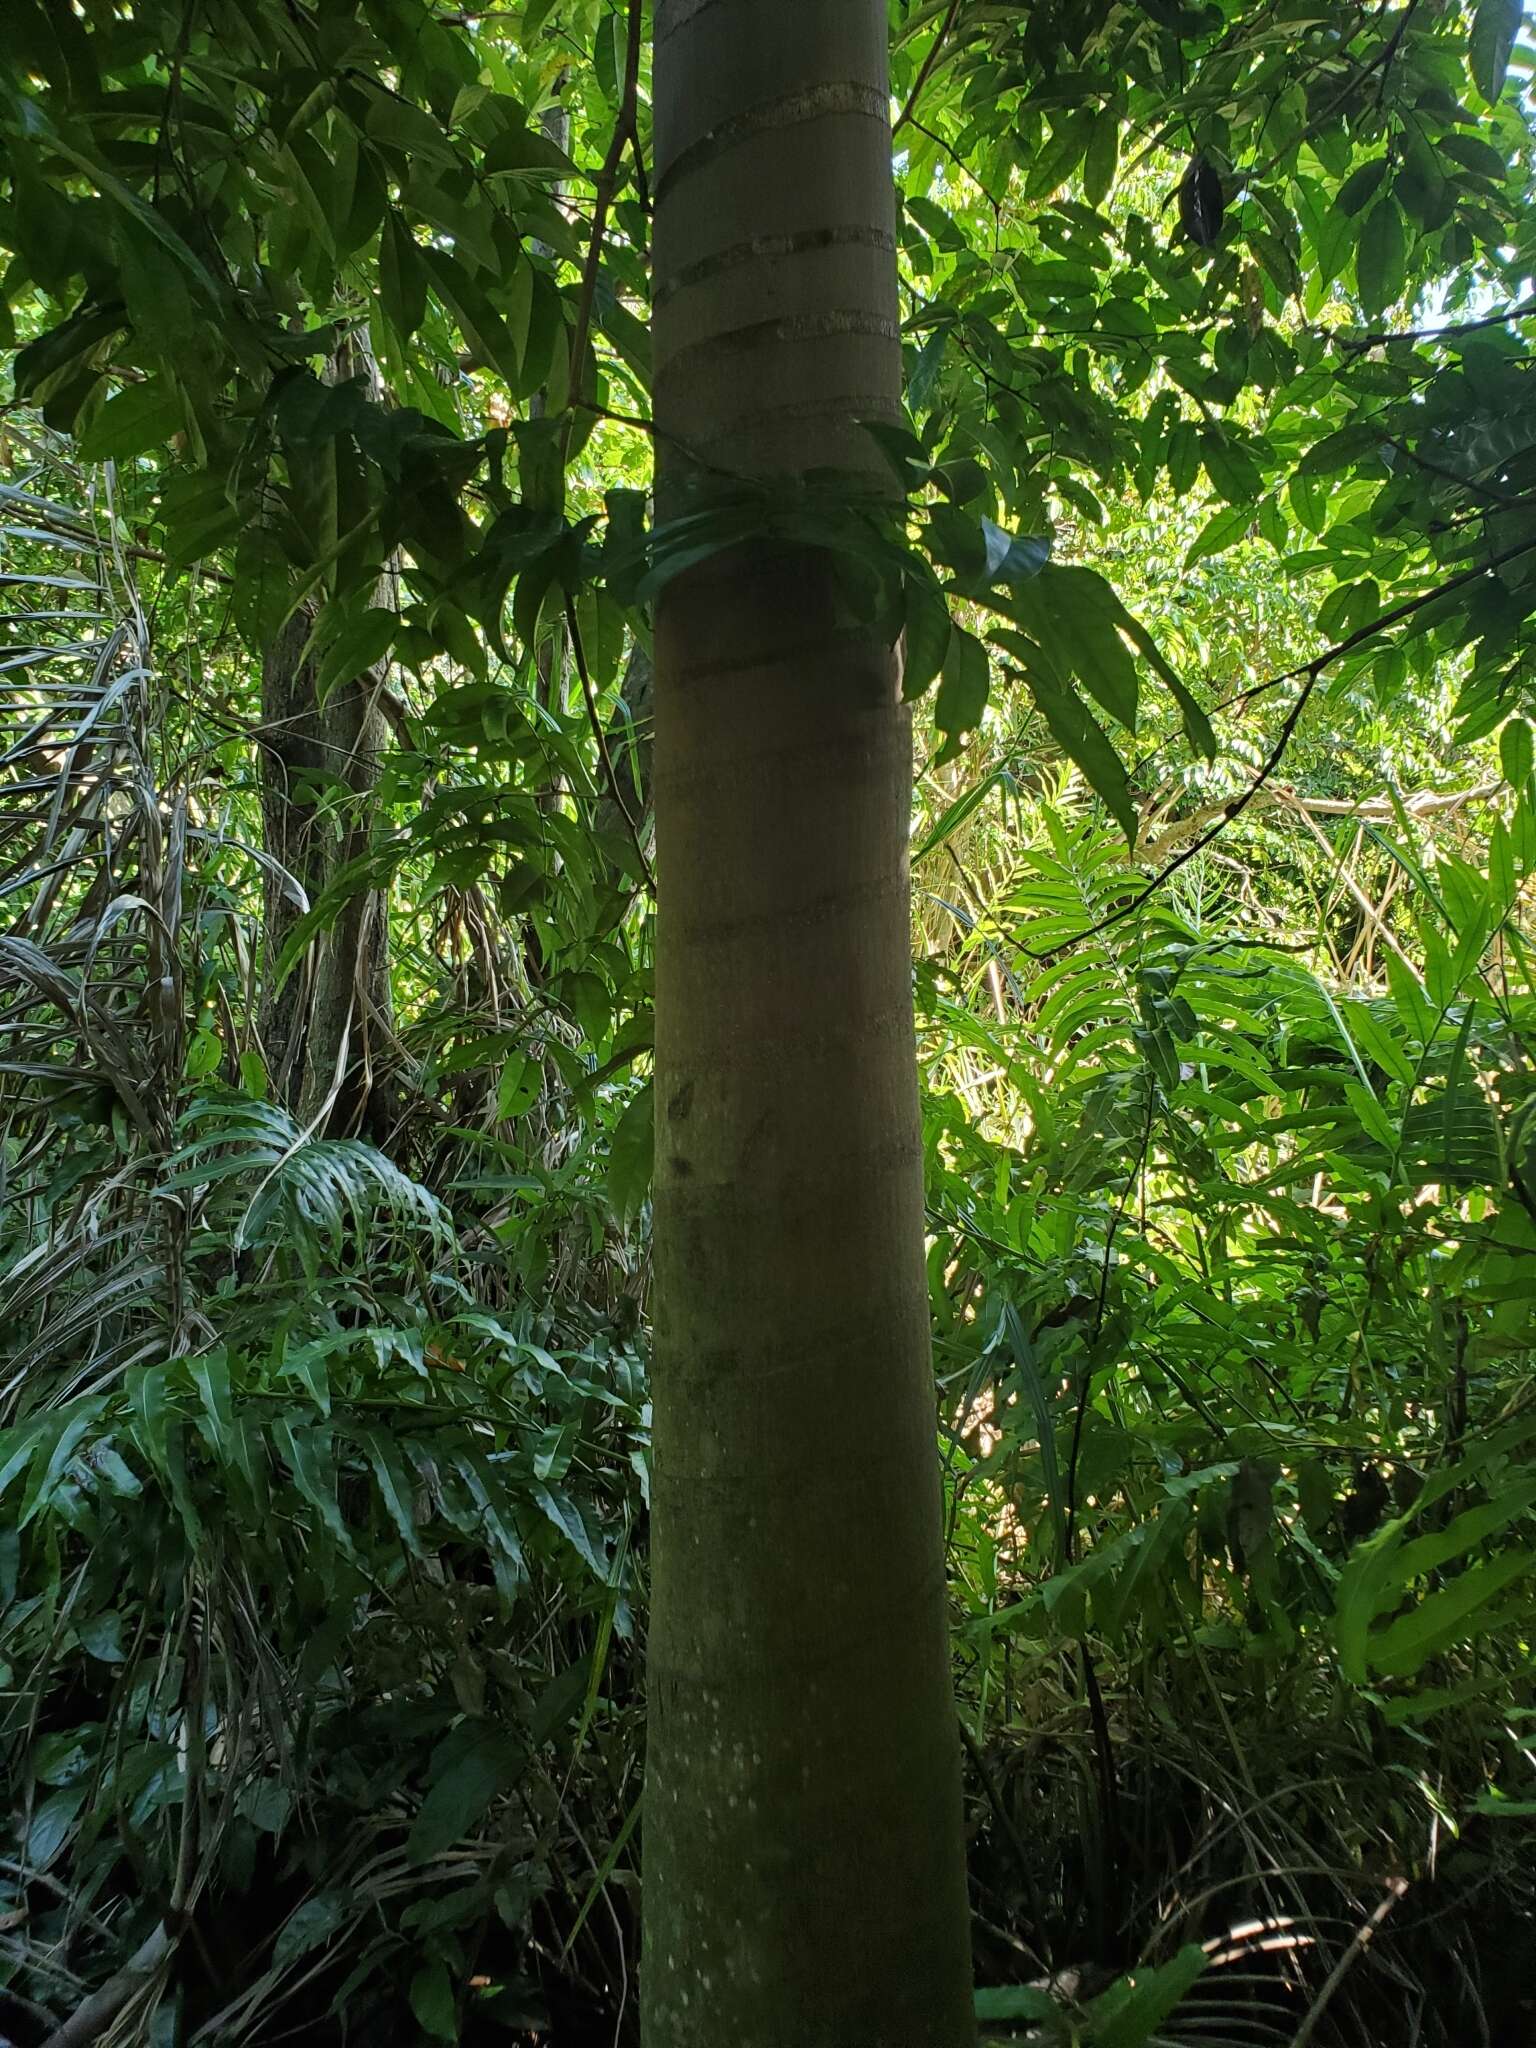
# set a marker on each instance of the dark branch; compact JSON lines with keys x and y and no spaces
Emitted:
{"x":926,"y":68}
{"x":1309,"y":675}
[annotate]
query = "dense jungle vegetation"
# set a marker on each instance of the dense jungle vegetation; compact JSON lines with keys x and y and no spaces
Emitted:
{"x":409,"y":409}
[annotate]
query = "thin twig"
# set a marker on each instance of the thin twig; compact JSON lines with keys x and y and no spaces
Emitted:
{"x":959,"y":162}
{"x":579,"y":656}
{"x":926,"y":68}
{"x":1395,"y":617}
{"x":1396,"y":1887}
{"x":1378,"y":338}
{"x":1310,"y":674}
{"x":607,"y":179}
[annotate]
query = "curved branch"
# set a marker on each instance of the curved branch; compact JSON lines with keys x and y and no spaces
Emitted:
{"x":926,"y":68}
{"x":607,"y":180}
{"x":1309,"y":674}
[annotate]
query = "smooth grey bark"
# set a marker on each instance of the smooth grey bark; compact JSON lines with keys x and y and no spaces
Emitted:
{"x":803,"y":1856}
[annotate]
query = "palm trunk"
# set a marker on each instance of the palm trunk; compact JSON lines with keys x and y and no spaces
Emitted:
{"x":804,"y":1869}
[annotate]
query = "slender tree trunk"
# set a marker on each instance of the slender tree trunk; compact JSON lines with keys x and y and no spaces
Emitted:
{"x":804,"y":1869}
{"x":319,"y":767}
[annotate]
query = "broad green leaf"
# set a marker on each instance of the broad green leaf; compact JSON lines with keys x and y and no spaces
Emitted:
{"x":1075,"y":618}
{"x":1495,"y":25}
{"x":402,"y":277}
{"x":1381,"y":258}
{"x":140,"y":417}
{"x":432,"y":2002}
{"x":1224,"y":529}
{"x":1448,"y":1617}
{"x":1361,"y":186}
{"x":1183,"y":456}
{"x":963,"y":688}
{"x":1075,"y":732}
{"x":470,"y":1768}
{"x":102,"y":1636}
{"x":1422,"y":186}
{"x":558,"y":1507}
{"x":1516,"y":753}
{"x":1102,"y":158}
{"x":630,"y":1153}
{"x":1231,"y":469}
{"x":1015,"y":2002}
{"x":310,"y":1926}
{"x":1130,"y":2013}
{"x":1474,"y":154}
{"x":1013,"y":558}
{"x":394,"y":1482}
{"x":360,"y":646}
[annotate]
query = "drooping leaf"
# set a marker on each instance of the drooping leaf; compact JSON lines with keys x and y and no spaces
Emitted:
{"x":1495,"y":25}
{"x":1381,"y":258}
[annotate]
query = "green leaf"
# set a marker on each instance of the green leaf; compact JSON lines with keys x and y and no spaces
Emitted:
{"x":361,"y":646}
{"x":1498,"y":1806}
{"x":51,"y":1825}
{"x":1102,"y":157}
{"x":1328,"y":230}
{"x":1183,"y":456}
{"x":1422,"y":186}
{"x":1013,"y":559}
{"x":480,"y":324}
{"x":1222,"y":530}
{"x":936,"y":224}
{"x":562,"y":1511}
{"x":102,"y":1637}
{"x":402,"y":277}
{"x":1015,"y":2002}
{"x":520,"y":149}
{"x":1130,"y":2012}
{"x":59,"y":1438}
{"x":393,"y":1481}
{"x":310,"y":1451}
{"x":927,"y":633}
{"x":903,"y":450}
{"x":210,"y":1375}
{"x":1516,"y":752}
{"x":630,"y":1153}
{"x":1447,"y":1618}
{"x":1231,"y":468}
{"x":406,"y":128}
{"x":140,"y":418}
{"x":1309,"y":501}
{"x":1361,"y":186}
{"x":17,"y":1445}
{"x":963,"y":691}
{"x":960,"y":810}
{"x":608,"y":58}
{"x":1340,"y":450}
{"x":470,"y":1767}
{"x":1075,"y":732}
{"x":1473,"y":154}
{"x":1381,"y":260}
{"x":1075,"y":617}
{"x":310,"y":1926}
{"x":1495,"y":25}
{"x":432,"y":2002}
